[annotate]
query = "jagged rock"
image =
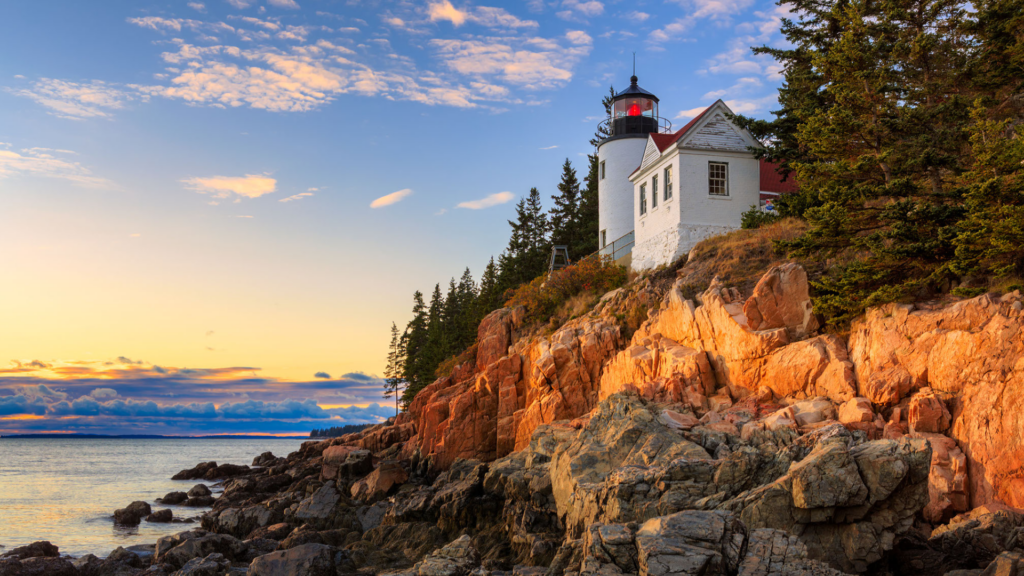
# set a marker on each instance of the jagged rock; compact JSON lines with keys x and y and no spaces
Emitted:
{"x":856,"y":410}
{"x":34,"y":550}
{"x":200,"y":546}
{"x":212,"y":565}
{"x":380,"y":482}
{"x":691,"y":543}
{"x":240,"y":522}
{"x":455,"y":559}
{"x":781,"y":300}
{"x":266,"y":459}
{"x":225,"y":471}
{"x":37,"y":566}
{"x":132,"y":514}
{"x":771,"y":552}
{"x":1006,"y":564}
{"x":947,"y":481}
{"x":927,"y":412}
{"x":277,"y":531}
{"x":305,"y":560}
{"x":195,"y":473}
{"x":976,"y":538}
{"x":970,"y":351}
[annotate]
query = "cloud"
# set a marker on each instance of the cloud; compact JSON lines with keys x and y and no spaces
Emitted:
{"x":445,"y":11}
{"x":548,"y":147}
{"x":585,"y":7}
{"x":197,"y":6}
{"x":487,"y":202}
{"x":237,"y":187}
{"x":298,"y":196}
{"x":241,"y":4}
{"x":671,"y":31}
{"x":103,"y":393}
{"x":748,"y":106}
{"x":389,"y":199}
{"x":323,"y":375}
{"x":291,"y":4}
{"x":638,"y":16}
{"x":39,"y":162}
{"x":76,"y":100}
{"x":692,"y":112}
{"x":531,"y":63}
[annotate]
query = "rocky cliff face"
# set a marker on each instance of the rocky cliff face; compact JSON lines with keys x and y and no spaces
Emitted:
{"x":726,"y":436}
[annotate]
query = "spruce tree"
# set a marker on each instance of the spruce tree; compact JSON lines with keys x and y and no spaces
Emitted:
{"x":564,"y":215}
{"x":489,"y":298}
{"x":415,"y":341}
{"x":393,"y":374}
{"x":432,"y":352}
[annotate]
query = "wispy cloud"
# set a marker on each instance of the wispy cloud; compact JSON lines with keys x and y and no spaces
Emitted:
{"x":389,"y":199}
{"x":490,"y":17}
{"x":487,"y":202}
{"x":48,"y":163}
{"x":692,"y":112}
{"x":298,"y":196}
{"x":76,"y":100}
{"x":232,"y":187}
{"x":290,"y":4}
{"x":197,"y":6}
{"x":548,"y":147}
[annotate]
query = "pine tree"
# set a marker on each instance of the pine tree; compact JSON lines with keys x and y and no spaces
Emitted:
{"x":393,"y":374}
{"x":603,"y":130}
{"x":589,"y":217}
{"x":468,"y":311}
{"x":525,"y":258}
{"x":432,"y":352}
{"x":564,"y":215}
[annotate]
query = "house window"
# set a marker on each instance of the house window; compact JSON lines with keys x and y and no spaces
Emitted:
{"x":604,"y":238}
{"x":718,"y":178}
{"x":654,"y":191}
{"x":643,"y":199}
{"x":602,"y":169}
{"x":668,"y":182}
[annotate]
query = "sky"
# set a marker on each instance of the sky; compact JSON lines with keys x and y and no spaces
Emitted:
{"x":212,"y":211}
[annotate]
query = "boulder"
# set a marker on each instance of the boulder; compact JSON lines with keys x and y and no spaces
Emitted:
{"x":692,"y":543}
{"x":781,"y":300}
{"x":377,"y":484}
{"x":41,"y":549}
{"x":225,"y":471}
{"x":856,"y":410}
{"x":132,"y":514}
{"x":947,"y":481}
{"x":202,"y":546}
{"x":160,"y":516}
{"x":173,"y":498}
{"x":199,"y":490}
{"x":199,"y":471}
{"x":212,"y":565}
{"x":304,"y":560}
{"x":37,"y":566}
{"x":277,"y":531}
{"x":266,"y":459}
{"x":457,"y":558}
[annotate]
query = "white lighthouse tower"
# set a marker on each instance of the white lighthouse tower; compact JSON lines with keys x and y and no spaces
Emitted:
{"x":634,"y":115}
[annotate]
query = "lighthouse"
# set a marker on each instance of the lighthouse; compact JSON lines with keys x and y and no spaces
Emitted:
{"x":633,"y":117}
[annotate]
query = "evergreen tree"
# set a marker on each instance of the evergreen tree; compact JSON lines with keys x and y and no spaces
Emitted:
{"x":468,"y":312}
{"x":489,"y":298}
{"x":393,"y":374}
{"x":415,"y":341}
{"x":525,"y":258}
{"x":564,"y":215}
{"x":451,"y":322}
{"x":603,"y":130}
{"x":432,"y":352}
{"x":589,"y":217}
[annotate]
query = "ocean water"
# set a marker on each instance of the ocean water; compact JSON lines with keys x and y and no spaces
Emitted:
{"x":65,"y":490}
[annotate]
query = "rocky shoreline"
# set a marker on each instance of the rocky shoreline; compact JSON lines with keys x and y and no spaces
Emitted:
{"x":727,"y":435}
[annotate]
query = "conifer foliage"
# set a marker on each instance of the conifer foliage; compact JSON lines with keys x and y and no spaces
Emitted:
{"x":442,"y":330}
{"x":901,"y":121}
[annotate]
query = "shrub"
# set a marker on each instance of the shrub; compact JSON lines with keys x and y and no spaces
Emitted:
{"x":755,"y":218}
{"x":545,"y":294}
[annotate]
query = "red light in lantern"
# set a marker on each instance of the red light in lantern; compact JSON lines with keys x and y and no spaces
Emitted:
{"x":634,"y":110}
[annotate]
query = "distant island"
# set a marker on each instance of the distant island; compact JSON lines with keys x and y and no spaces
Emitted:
{"x":149,"y":436}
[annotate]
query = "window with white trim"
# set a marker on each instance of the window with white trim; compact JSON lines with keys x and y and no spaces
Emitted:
{"x":718,"y":178}
{"x":668,"y":182}
{"x":643,"y":199}
{"x":654,"y":191}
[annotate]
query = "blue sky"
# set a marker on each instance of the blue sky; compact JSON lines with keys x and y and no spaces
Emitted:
{"x":260,"y":185}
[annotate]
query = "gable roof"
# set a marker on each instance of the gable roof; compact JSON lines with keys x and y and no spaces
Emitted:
{"x":771,"y":179}
{"x":663,"y":141}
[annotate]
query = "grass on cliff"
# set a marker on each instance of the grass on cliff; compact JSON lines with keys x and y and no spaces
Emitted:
{"x":741,"y":257}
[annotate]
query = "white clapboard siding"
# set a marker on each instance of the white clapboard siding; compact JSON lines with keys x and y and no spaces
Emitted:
{"x":717,"y":134}
{"x":651,"y":154}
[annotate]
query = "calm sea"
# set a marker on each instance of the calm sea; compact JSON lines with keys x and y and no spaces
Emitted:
{"x":66,"y":490}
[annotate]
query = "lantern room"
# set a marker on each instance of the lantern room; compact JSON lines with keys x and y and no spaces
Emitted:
{"x":634,"y":111}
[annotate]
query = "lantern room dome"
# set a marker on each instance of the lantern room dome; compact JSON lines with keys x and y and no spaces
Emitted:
{"x":635,"y":90}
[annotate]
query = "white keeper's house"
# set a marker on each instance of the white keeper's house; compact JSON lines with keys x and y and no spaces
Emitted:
{"x":660,"y":192}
